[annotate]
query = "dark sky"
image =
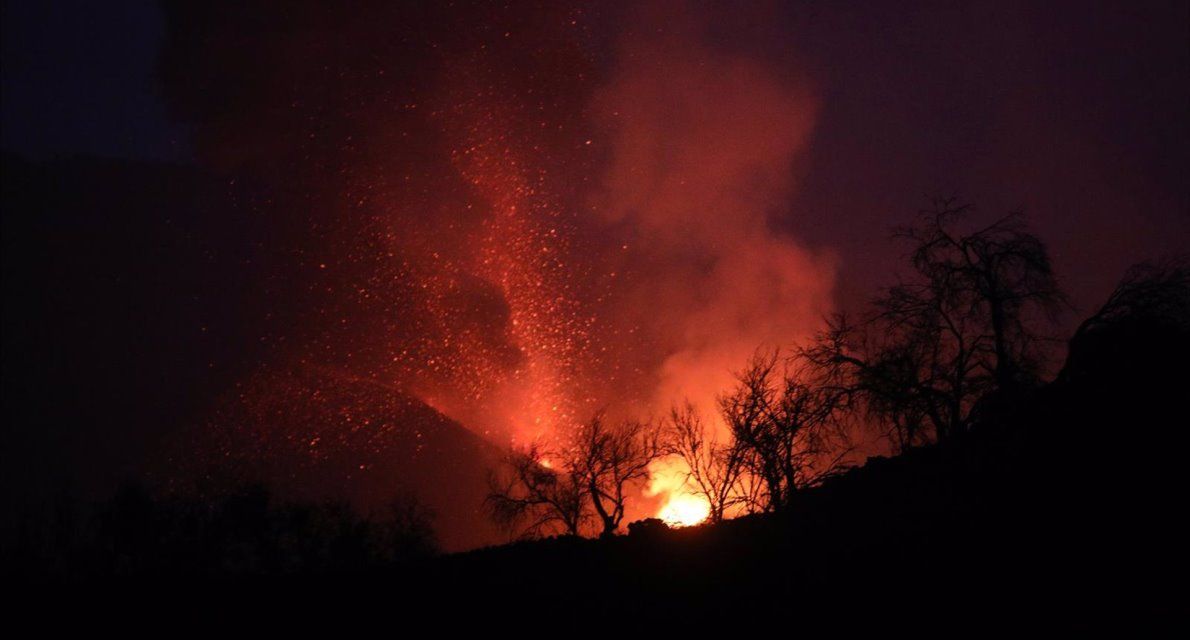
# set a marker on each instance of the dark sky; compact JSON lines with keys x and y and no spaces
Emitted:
{"x":515,"y":213}
{"x":1075,"y":112}
{"x":78,"y":78}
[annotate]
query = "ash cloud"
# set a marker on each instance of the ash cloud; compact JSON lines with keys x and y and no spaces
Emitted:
{"x":658,"y":159}
{"x":703,"y":149}
{"x":515,"y":215}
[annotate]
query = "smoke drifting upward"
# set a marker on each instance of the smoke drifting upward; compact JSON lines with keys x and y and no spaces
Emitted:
{"x":702,"y":152}
{"x":635,"y":267}
{"x":518,"y":213}
{"x":488,"y":209}
{"x":651,"y":282}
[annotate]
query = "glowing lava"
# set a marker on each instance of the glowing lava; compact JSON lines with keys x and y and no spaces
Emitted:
{"x":684,"y":510}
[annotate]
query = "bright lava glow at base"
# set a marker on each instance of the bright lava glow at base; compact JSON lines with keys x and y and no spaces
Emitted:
{"x":685,"y":510}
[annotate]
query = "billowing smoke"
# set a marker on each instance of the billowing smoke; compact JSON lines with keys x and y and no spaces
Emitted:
{"x":703,"y":146}
{"x":495,"y":212}
{"x":662,"y":271}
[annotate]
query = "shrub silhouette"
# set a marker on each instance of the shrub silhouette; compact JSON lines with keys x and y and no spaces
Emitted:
{"x":244,"y":532}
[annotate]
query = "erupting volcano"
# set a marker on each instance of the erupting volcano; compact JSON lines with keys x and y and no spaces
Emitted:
{"x":685,"y":310}
{"x":520,"y":233}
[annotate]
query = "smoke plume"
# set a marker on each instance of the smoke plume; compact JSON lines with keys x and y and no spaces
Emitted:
{"x":703,"y":146}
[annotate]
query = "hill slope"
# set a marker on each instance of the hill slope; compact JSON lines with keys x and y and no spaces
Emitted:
{"x":313,"y":434}
{"x":1062,"y":502}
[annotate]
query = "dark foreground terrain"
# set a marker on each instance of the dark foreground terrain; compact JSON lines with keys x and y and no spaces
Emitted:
{"x":1062,"y":505}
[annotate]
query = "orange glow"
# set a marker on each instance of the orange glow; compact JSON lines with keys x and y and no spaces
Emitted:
{"x":684,"y":510}
{"x":681,"y":507}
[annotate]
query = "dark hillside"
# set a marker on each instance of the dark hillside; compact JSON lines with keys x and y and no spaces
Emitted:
{"x":1063,"y":504}
{"x":317,"y":435}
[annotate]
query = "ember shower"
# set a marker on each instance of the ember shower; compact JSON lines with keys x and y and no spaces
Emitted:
{"x":515,"y":215}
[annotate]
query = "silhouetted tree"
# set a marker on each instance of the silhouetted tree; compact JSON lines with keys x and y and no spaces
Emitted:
{"x":1151,"y":296}
{"x":530,"y":494}
{"x":979,"y":287}
{"x":610,"y":460}
{"x":715,"y":471}
{"x":248,"y":532}
{"x":894,"y":379}
{"x":586,"y":478}
{"x":788,"y":427}
{"x":932,"y":347}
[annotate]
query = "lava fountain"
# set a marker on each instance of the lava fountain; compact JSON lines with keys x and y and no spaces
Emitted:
{"x":650,"y":284}
{"x":518,"y":215}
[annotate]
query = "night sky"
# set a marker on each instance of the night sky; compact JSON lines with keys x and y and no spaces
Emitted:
{"x":311,"y":239}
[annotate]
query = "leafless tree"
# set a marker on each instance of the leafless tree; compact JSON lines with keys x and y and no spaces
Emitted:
{"x":788,"y":427}
{"x":527,"y":494}
{"x":983,"y":286}
{"x":586,"y":479}
{"x":964,"y":326}
{"x":1150,"y":293}
{"x":609,"y":460}
{"x":715,"y":470}
{"x":1151,"y":289}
